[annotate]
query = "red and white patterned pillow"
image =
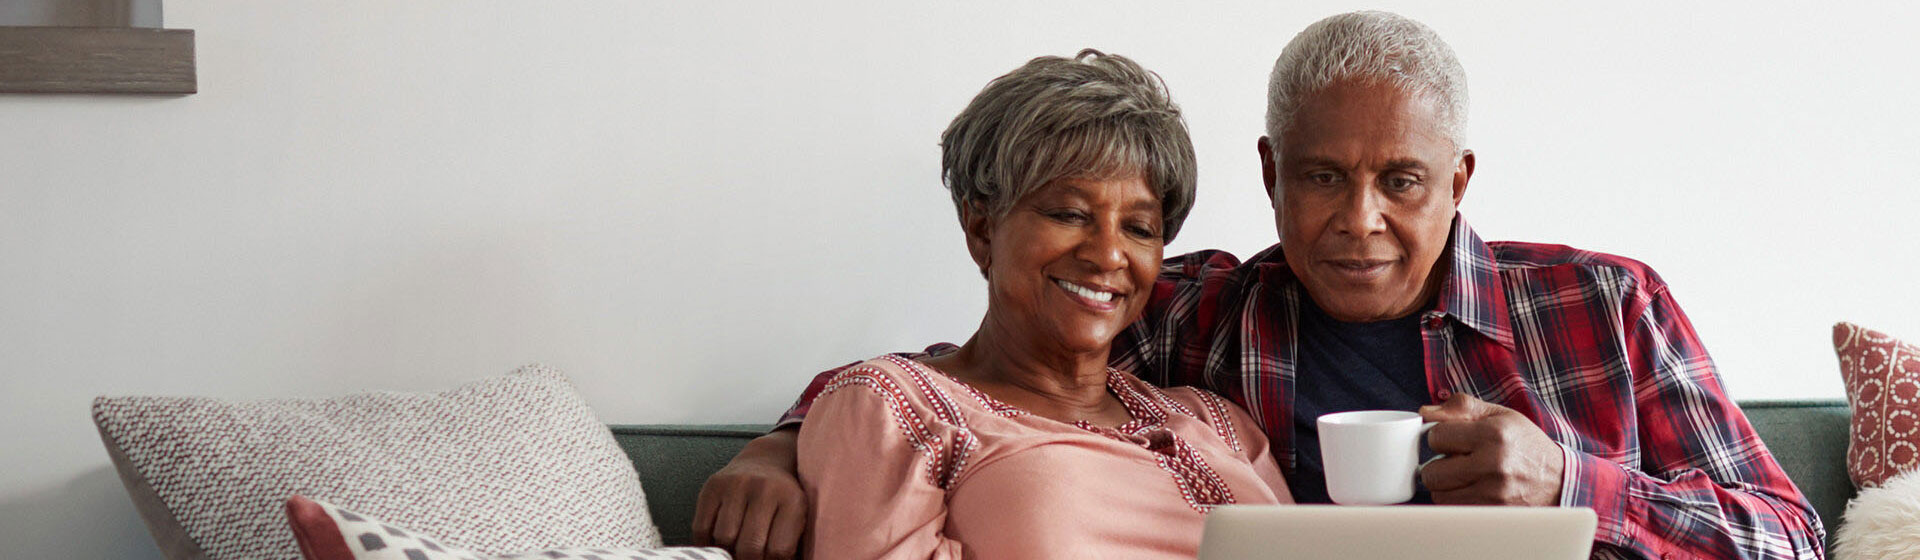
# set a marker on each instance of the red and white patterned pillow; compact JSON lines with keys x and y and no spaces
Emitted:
{"x":326,"y":532}
{"x":1883,"y":389}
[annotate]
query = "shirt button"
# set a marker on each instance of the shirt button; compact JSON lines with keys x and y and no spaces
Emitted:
{"x":1444,"y":394}
{"x":1435,"y":318}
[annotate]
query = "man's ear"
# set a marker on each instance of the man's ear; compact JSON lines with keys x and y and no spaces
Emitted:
{"x":1269,"y":173}
{"x":978,"y":226}
{"x":1461,"y":174}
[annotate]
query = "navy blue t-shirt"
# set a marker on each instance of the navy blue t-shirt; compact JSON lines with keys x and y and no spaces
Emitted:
{"x":1350,"y":366}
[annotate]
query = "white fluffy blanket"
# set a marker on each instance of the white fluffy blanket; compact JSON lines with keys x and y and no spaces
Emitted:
{"x":1883,"y":522}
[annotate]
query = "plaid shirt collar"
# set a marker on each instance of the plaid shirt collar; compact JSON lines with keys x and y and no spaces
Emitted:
{"x":1472,"y":292}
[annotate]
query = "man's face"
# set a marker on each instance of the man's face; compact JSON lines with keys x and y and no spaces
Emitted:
{"x":1367,"y":186}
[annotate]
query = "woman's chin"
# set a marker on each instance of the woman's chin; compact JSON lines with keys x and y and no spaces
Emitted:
{"x":1088,"y":341}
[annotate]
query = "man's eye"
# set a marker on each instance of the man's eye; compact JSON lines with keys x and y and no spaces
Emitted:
{"x":1402,"y":183}
{"x":1323,"y":178}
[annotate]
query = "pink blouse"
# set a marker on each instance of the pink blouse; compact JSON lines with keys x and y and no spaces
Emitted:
{"x":901,"y":461}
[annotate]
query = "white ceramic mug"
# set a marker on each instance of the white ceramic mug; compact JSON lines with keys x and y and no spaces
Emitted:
{"x":1371,"y":456}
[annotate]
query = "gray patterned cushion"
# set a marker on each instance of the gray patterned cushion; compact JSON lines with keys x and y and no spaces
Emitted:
{"x":503,"y":464}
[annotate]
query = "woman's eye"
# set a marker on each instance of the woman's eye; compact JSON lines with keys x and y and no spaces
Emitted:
{"x":1067,"y":216}
{"x":1142,"y":231}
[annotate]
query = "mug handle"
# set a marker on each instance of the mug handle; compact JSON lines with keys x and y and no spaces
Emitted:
{"x":1424,"y":428}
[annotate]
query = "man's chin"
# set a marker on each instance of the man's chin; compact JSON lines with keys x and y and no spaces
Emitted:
{"x":1352,"y":309}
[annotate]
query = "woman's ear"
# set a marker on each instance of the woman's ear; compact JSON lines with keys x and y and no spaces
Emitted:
{"x":978,"y":226}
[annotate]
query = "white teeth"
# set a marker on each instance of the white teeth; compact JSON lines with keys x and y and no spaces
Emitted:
{"x":1094,"y":295}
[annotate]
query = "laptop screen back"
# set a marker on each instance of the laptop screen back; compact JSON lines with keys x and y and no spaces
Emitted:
{"x":1397,"y":532}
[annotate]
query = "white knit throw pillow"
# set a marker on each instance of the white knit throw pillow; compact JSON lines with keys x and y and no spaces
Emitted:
{"x":1883,"y":522}
{"x":503,"y":464}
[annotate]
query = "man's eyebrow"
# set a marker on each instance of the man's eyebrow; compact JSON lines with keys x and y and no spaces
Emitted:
{"x":1313,"y":160}
{"x":1406,"y":163}
{"x":1401,"y":163}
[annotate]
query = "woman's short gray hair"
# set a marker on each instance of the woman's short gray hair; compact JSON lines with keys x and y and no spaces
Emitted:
{"x":1095,"y":115}
{"x":1375,"y":46}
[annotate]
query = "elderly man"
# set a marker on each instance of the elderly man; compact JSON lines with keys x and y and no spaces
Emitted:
{"x":1558,"y":376}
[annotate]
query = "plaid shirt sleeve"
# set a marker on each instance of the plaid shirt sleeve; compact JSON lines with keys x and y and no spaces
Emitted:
{"x":1180,"y":309}
{"x":1707,"y":487}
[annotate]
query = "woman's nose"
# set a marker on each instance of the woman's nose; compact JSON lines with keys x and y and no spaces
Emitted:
{"x":1103,"y":248}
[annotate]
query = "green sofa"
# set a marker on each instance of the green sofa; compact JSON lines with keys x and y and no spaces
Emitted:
{"x":1808,"y":437}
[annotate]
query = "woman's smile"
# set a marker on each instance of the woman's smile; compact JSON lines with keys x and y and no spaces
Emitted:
{"x":1098,"y":298}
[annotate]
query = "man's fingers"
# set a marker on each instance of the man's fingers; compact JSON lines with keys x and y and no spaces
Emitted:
{"x":762,"y":472}
{"x":1460,"y":407}
{"x":703,"y":512}
{"x":1452,"y":473}
{"x":1483,"y":492}
{"x":755,"y":523}
{"x":726,"y":522}
{"x":1455,"y":409}
{"x":1461,"y":437}
{"x":783,"y":540}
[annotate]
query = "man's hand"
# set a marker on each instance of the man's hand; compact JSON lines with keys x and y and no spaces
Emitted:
{"x":1494,"y":455}
{"x":754,"y":506}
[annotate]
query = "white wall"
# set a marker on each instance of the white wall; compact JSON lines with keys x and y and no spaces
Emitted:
{"x":692,"y":206}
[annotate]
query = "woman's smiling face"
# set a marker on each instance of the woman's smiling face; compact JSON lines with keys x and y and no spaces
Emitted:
{"x":1073,"y":262}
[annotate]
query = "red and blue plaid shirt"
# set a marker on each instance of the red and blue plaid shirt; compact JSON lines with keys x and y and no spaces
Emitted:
{"x":1590,"y":346}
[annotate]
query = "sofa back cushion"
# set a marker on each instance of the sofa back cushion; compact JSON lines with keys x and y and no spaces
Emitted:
{"x":675,"y":460}
{"x":1809,"y":438}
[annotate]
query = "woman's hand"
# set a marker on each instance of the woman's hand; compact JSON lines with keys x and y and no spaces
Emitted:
{"x":754,"y":506}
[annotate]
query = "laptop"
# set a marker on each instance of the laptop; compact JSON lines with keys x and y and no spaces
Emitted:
{"x":1397,"y":532}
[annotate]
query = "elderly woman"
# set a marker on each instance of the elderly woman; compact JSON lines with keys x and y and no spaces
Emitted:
{"x":1069,"y":176}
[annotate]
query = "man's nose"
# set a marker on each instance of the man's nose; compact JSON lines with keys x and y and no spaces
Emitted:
{"x":1361,"y":212}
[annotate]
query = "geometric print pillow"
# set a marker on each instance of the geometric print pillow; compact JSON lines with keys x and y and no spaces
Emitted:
{"x":326,"y":532}
{"x":1883,"y":389}
{"x":515,"y":462}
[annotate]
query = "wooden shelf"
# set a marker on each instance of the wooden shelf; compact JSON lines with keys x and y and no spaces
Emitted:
{"x":96,"y":60}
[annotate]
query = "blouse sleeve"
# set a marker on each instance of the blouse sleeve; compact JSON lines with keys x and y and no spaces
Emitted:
{"x":1255,"y":446}
{"x":1237,"y":430}
{"x":867,"y":460}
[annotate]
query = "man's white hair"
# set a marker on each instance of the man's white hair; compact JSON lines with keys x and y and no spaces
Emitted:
{"x":1369,"y":46}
